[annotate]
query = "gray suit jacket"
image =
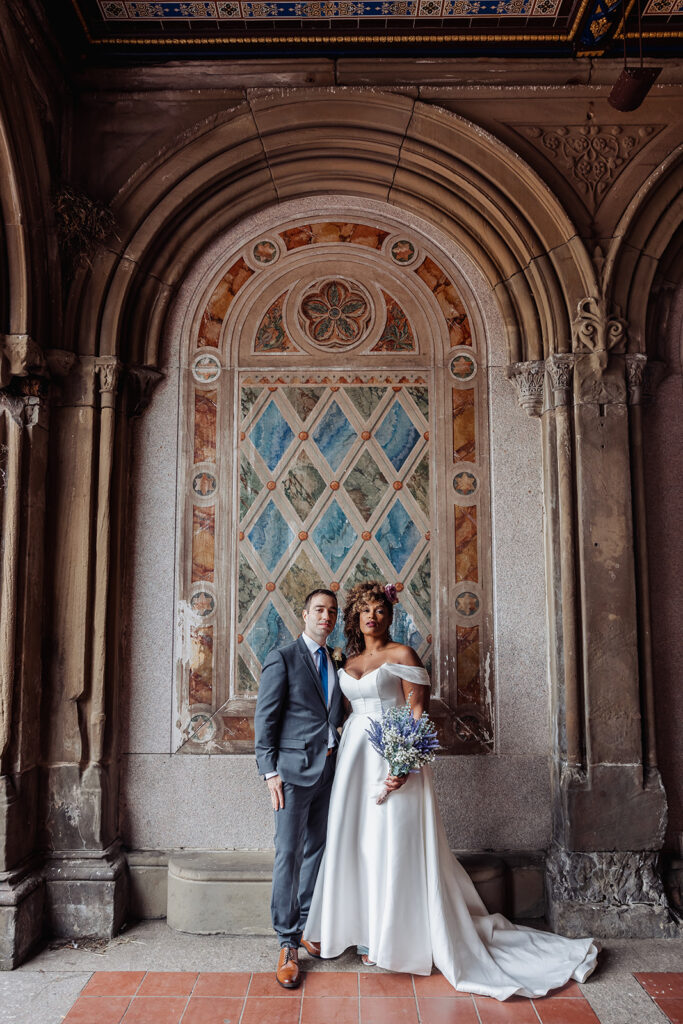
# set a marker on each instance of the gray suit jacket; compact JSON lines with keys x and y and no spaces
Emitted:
{"x":292,"y":720}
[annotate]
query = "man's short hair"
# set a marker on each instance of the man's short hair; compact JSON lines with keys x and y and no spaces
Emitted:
{"x":320,"y":590}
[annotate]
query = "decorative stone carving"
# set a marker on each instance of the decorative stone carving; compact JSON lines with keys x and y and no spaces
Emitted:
{"x":560,"y":367}
{"x":615,"y":878}
{"x":109,"y":372}
{"x":594,"y":331}
{"x":142,"y":382}
{"x":19,"y":356}
{"x":592,"y":154}
{"x":635,"y":377}
{"x":529,"y":380}
{"x":336,"y":314}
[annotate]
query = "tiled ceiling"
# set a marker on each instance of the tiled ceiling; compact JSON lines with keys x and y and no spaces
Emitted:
{"x":130,"y":29}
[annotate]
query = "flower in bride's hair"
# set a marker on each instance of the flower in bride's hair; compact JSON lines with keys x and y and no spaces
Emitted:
{"x":337,"y":655}
{"x":392,"y":593}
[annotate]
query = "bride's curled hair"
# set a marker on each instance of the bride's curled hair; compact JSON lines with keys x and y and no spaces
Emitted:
{"x":358,"y":597}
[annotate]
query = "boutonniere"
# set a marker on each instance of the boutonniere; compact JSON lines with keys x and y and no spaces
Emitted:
{"x":337,"y":656}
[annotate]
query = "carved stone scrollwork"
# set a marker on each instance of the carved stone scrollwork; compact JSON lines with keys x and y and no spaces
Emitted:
{"x":595,"y":332}
{"x":560,"y":367}
{"x":635,"y":377}
{"x":529,"y":380}
{"x":109,"y":371}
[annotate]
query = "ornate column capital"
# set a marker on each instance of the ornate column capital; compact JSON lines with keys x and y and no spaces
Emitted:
{"x":529,"y":379}
{"x":20,"y":356}
{"x":142,"y":380}
{"x":596,"y":332}
{"x":560,"y":367}
{"x":109,"y":371}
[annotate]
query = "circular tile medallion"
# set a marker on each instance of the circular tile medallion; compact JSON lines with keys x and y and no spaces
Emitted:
{"x":463,"y":366}
{"x":206,"y":368}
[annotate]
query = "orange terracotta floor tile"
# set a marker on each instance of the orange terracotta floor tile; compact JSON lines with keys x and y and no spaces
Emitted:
{"x":661,"y":983}
{"x":554,"y":1010}
{"x":222,"y":984}
{"x":168,"y":983}
{"x":329,"y":1010}
{"x":386,"y":985}
{"x":155,"y":1010}
{"x":444,"y":1010}
{"x":267,"y":985}
{"x":213,"y":1010}
{"x":101,"y":1010}
{"x":113,"y":983}
{"x":569,"y":991}
{"x":388,"y":1010}
{"x":672,"y":1006}
{"x":331,"y":983}
{"x":511,"y":1011}
{"x":271,"y":1010}
{"x":435,"y":985}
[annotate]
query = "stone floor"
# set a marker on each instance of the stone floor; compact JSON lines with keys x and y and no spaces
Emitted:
{"x":152,"y":975}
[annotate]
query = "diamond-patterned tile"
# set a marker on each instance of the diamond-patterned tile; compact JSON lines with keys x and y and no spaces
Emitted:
{"x":334,"y":536}
{"x":299,"y":581}
{"x":268,"y":632}
{"x":366,"y":400}
{"x":334,"y":435}
{"x":303,"y":485}
{"x":398,"y":536}
{"x":270,"y":535}
{"x":248,"y":396}
{"x":365,"y":485}
{"x":397,"y":435}
{"x":420,"y":395}
{"x":245,"y":680}
{"x":363,"y":571}
{"x":404,"y":630}
{"x":420,"y":585}
{"x":271,"y":435}
{"x":418,"y":484}
{"x":247,"y":588}
{"x":304,"y":400}
{"x":250,"y":485}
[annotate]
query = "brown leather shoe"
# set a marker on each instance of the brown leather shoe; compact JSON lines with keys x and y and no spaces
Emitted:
{"x":312,"y":948}
{"x":288,"y":974}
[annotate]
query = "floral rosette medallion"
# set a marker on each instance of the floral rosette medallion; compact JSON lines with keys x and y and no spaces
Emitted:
{"x":335,"y":315}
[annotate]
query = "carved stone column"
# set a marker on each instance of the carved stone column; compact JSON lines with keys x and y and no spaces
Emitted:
{"x":86,"y":881}
{"x":23,"y":460}
{"x":609,"y":807}
{"x":609,"y":804}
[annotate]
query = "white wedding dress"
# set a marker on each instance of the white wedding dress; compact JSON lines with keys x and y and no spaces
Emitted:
{"x":388,"y":880}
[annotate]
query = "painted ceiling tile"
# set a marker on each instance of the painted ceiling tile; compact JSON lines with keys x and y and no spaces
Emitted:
{"x":299,"y":581}
{"x":205,"y":426}
{"x":303,"y":400}
{"x":365,"y":485}
{"x":268,"y":632}
{"x":398,"y":536}
{"x":334,"y":436}
{"x":303,"y":485}
{"x":334,"y":536}
{"x":397,"y":435}
{"x":250,"y":485}
{"x":270,"y":536}
{"x":271,"y":335}
{"x":397,"y":335}
{"x":271,"y":435}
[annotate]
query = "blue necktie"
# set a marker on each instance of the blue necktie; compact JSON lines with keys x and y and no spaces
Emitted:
{"x":322,"y":668}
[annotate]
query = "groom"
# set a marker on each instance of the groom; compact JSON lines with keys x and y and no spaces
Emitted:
{"x":298,"y":711}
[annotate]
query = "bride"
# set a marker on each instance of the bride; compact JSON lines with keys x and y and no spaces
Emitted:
{"x":388,"y":882}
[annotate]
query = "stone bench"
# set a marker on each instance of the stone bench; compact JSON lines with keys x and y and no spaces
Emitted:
{"x":229,"y":893}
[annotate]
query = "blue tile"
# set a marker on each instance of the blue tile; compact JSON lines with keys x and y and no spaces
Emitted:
{"x":404,"y":630}
{"x":334,"y":536}
{"x":334,"y":435}
{"x":397,"y":435}
{"x":271,"y":435}
{"x":270,"y":536}
{"x":268,"y":632}
{"x":398,"y":536}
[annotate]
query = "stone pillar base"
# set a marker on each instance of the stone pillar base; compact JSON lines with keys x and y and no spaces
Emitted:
{"x":22,"y":897}
{"x":86,"y":893}
{"x":615,"y":894}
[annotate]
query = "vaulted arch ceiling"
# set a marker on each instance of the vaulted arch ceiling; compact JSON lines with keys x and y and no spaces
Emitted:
{"x":384,"y":146}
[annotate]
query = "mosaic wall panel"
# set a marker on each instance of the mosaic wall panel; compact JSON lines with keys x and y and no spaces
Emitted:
{"x":298,"y":478}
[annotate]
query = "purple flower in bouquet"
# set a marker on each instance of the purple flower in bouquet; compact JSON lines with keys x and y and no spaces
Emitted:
{"x":407,"y":743}
{"x":392,"y":593}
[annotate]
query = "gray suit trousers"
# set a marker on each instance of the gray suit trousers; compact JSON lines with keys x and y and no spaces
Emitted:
{"x":300,"y":830}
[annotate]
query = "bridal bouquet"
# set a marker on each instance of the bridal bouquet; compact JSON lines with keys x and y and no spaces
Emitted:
{"x":407,"y":743}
